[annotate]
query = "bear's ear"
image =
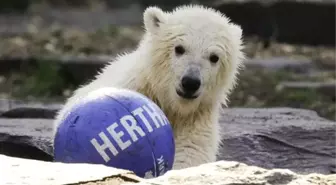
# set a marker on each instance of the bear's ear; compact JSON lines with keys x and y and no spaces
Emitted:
{"x":153,"y":18}
{"x":236,"y":30}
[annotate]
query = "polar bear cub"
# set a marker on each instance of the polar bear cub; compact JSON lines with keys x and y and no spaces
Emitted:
{"x":187,"y":62}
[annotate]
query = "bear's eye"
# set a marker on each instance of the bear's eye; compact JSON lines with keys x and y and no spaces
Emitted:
{"x":213,"y":58}
{"x":179,"y":50}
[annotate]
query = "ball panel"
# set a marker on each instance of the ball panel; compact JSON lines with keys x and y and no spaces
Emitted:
{"x":92,"y":118}
{"x":159,"y":132}
{"x":116,"y":122}
{"x":78,"y":147}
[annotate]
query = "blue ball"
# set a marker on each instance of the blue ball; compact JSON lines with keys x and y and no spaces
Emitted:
{"x":118,"y":128}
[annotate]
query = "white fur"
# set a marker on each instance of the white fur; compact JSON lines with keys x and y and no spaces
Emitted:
{"x":154,"y":70}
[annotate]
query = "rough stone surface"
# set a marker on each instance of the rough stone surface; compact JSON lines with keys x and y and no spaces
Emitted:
{"x":33,"y":172}
{"x":294,"y":139}
{"x":19,"y":171}
{"x":288,"y":138}
{"x":327,"y":88}
{"x":8,"y":104}
{"x":281,"y":63}
{"x":234,"y":173}
{"x":28,"y":138}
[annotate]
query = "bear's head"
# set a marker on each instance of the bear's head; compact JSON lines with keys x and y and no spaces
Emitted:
{"x":195,"y":52}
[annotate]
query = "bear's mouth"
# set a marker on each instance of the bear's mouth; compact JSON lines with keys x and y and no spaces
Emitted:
{"x":184,"y":95}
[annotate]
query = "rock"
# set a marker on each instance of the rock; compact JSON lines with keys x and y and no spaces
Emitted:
{"x":234,"y":173}
{"x":326,"y":88}
{"x":26,"y":138}
{"x":33,"y":172}
{"x":293,"y":139}
{"x":19,"y":171}
{"x":326,"y":61}
{"x":29,"y":113}
{"x":281,"y":63}
{"x":8,"y":104}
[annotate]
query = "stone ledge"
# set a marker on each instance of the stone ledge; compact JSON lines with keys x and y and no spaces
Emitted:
{"x":235,"y":173}
{"x":26,"y":171}
{"x":32,"y":172}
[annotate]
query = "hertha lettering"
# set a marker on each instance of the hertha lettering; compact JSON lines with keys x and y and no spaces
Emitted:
{"x":129,"y":123}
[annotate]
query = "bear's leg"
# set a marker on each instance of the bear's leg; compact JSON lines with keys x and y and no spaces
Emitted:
{"x":196,"y":146}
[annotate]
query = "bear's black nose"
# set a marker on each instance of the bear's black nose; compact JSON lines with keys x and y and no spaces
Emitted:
{"x":190,"y":84}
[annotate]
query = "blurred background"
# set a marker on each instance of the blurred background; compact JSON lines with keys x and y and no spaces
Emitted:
{"x":49,"y":47}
